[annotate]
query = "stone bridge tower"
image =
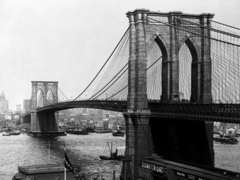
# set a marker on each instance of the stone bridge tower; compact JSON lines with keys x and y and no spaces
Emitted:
{"x":47,"y":121}
{"x":44,"y":87}
{"x":139,"y":123}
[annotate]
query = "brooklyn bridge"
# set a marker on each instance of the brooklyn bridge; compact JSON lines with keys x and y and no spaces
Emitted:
{"x":172,"y":75}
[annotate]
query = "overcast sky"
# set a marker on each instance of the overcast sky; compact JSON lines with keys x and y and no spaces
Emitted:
{"x":69,"y":40}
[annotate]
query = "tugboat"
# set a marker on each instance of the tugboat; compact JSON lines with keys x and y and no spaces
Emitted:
{"x":118,"y":133}
{"x":113,"y":156}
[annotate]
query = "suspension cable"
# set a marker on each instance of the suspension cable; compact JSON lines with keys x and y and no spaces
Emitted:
{"x":108,"y":83}
{"x":127,"y":85}
{"x":102,"y":66}
{"x":226,"y":25}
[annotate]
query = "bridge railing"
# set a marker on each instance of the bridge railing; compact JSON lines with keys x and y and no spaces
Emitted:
{"x":221,"y":111}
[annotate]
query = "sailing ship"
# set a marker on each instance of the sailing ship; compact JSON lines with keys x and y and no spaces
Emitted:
{"x":113,"y":156}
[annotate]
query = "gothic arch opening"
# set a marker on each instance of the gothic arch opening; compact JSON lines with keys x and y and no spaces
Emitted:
{"x":161,"y":70}
{"x":40,"y":98}
{"x":188,"y":72}
{"x":154,"y":66}
{"x":49,"y":97}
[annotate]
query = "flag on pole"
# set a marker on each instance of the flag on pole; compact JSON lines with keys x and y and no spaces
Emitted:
{"x":67,"y":163}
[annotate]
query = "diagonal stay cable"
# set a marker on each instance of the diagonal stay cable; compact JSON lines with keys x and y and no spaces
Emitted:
{"x":108,"y":83}
{"x":210,"y":28}
{"x":112,"y":83}
{"x":226,"y":25}
{"x":127,"y":85}
{"x":102,"y":66}
{"x":63,"y":93}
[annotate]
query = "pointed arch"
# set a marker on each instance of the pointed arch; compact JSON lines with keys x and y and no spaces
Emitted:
{"x":165,"y":67}
{"x":163,"y":47}
{"x":40,"y":98}
{"x":192,"y":46}
{"x":50,"y":97}
{"x":195,"y":67}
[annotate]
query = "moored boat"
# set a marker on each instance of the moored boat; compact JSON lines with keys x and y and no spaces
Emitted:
{"x":6,"y":134}
{"x":46,"y":171}
{"x":225,"y":139}
{"x":77,"y":131}
{"x":103,"y":131}
{"x":49,"y":171}
{"x":42,"y":172}
{"x":15,"y":132}
{"x":90,"y":129}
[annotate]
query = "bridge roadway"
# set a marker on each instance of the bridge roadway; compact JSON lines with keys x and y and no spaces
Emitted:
{"x":229,"y":113}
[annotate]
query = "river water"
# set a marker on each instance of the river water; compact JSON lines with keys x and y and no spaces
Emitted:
{"x":83,"y":151}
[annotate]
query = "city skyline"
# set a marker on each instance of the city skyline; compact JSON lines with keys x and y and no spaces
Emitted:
{"x":68,"y":41}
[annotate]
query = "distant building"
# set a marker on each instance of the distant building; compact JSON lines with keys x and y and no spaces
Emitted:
{"x":26,"y":103}
{"x":3,"y":103}
{"x":19,"y":108}
{"x":8,"y":116}
{"x":100,"y":114}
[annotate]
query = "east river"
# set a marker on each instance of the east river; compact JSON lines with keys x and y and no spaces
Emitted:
{"x":83,"y":151}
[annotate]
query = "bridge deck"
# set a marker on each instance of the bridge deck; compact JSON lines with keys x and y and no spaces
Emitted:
{"x":229,"y":113}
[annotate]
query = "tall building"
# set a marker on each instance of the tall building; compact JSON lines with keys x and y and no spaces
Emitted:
{"x":3,"y":103}
{"x":26,"y":103}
